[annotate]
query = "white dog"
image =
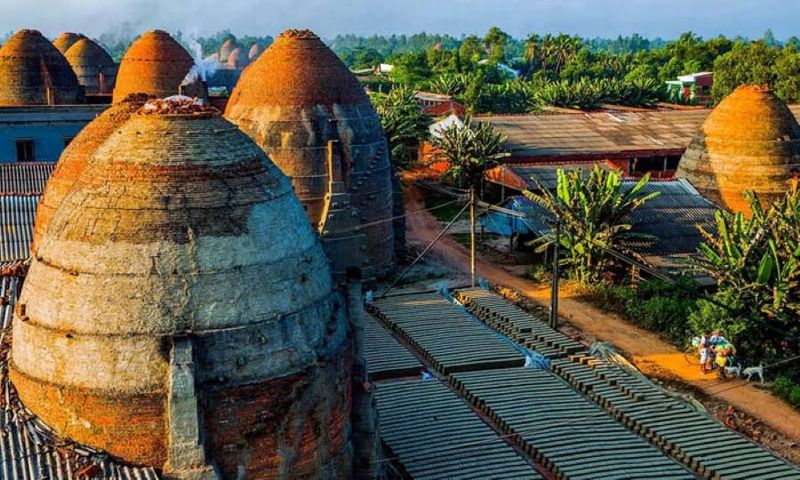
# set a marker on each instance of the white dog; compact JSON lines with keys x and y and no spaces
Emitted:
{"x":750,"y":371}
{"x":731,"y":371}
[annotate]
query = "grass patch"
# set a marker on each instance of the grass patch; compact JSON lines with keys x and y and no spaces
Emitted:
{"x":446,"y":213}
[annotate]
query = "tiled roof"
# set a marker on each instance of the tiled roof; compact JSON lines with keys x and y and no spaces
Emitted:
{"x":17,"y":213}
{"x":24,"y":177}
{"x":601,"y":133}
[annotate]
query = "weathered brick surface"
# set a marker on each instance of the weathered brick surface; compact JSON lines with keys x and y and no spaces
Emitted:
{"x":293,"y":100}
{"x":750,"y":142}
{"x":66,"y":40}
{"x":34,"y":72}
{"x":93,"y":66}
{"x":76,"y":155}
{"x":131,"y":427}
{"x":154,"y":64}
{"x":291,"y":427}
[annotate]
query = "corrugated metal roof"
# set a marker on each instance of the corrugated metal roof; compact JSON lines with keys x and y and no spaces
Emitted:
{"x":671,"y":218}
{"x":600,"y":133}
{"x":17,"y":213}
{"x":431,"y":433}
{"x":24,"y":177}
{"x":28,"y":449}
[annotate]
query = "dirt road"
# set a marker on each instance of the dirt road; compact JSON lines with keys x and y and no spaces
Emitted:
{"x":652,"y":355}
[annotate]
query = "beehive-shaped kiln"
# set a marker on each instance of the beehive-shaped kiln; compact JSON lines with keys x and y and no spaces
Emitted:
{"x":34,"y":72}
{"x":254,"y":52}
{"x":93,"y":66}
{"x":750,"y":142}
{"x":179,"y":297}
{"x":154,"y":64}
{"x":66,"y":40}
{"x":301,"y":104}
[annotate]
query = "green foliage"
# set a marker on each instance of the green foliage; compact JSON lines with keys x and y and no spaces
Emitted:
{"x":592,"y":210}
{"x":746,"y":63}
{"x":411,"y":69}
{"x":787,"y":389}
{"x":756,"y":264}
{"x":403,"y":121}
{"x":470,"y":150}
{"x":658,"y":306}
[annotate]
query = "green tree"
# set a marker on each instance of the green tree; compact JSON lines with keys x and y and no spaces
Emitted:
{"x":470,"y":49}
{"x":593,"y":209}
{"x":411,"y":69}
{"x":787,"y":75}
{"x":746,"y":63}
{"x":495,"y":43}
{"x":404,"y":123}
{"x":469,"y":149}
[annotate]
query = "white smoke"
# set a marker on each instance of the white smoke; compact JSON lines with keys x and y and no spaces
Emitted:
{"x":203,"y":68}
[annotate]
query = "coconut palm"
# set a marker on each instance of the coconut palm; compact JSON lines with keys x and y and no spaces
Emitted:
{"x":469,"y":149}
{"x":593,"y":209}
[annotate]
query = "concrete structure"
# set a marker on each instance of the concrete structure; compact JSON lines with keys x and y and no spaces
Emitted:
{"x":691,"y":88}
{"x":750,"y":142}
{"x":40,"y":133}
{"x":154,"y":64}
{"x":299,"y":102}
{"x":34,"y":72}
{"x":75,"y":157}
{"x":195,"y":327}
{"x":94,"y":67}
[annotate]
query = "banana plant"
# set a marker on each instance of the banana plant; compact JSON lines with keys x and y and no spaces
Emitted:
{"x":593,"y":208}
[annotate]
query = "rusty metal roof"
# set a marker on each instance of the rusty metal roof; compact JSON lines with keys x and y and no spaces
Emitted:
{"x":24,"y":177}
{"x":28,"y":448}
{"x":17,"y":213}
{"x":607,"y":134}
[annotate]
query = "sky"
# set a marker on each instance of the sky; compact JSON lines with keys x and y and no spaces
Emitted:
{"x":588,"y":18}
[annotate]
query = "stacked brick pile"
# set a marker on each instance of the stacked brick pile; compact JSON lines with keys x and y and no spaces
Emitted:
{"x":750,"y":142}
{"x":34,"y":72}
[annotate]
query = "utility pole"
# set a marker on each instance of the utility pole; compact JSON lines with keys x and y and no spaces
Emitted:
{"x":472,"y":234}
{"x":554,"y":285}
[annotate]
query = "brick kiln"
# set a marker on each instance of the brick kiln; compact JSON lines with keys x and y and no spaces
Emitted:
{"x":179,"y":310}
{"x":155,"y":64}
{"x":66,"y":40}
{"x":302,"y":105}
{"x":34,"y":72}
{"x":750,"y":142}
{"x":93,"y":66}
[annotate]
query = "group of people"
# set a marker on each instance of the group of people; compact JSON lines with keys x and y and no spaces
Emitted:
{"x":716,"y":352}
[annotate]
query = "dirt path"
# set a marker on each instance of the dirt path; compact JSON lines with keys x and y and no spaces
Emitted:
{"x":652,"y":355}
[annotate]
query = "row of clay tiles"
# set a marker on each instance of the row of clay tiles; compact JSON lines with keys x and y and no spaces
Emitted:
{"x":28,"y":449}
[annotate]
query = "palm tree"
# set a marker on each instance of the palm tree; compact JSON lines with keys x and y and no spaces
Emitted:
{"x":469,"y":149}
{"x":592,"y":209}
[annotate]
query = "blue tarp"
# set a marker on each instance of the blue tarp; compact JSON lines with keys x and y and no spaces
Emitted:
{"x":535,"y":221}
